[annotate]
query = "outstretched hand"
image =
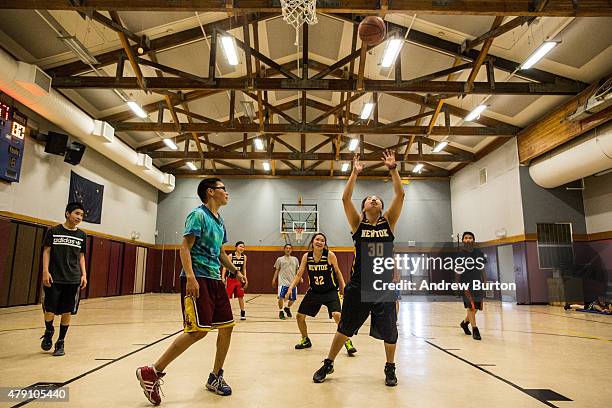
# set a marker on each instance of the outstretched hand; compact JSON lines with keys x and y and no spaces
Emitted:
{"x":357,"y":166}
{"x":389,"y":159}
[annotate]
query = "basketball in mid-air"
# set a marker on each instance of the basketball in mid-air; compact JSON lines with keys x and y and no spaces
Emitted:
{"x":372,"y":30}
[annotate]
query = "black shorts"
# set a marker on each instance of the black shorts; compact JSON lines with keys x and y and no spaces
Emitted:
{"x":472,"y":299}
{"x":312,"y":302}
{"x":355,"y":313}
{"x":210,"y":310}
{"x":61,"y":298}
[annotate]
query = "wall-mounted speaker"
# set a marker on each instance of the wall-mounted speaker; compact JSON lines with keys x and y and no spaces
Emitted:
{"x":74,"y":153}
{"x":56,"y":143}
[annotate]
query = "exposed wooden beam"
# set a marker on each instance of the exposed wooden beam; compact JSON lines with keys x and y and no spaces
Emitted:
{"x":496,"y":32}
{"x":470,"y":7}
{"x":128,"y":51}
{"x":309,"y":128}
{"x":483,"y":53}
{"x":337,"y":85}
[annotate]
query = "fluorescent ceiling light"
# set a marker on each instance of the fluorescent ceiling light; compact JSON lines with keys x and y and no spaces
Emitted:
{"x":353,"y":144}
{"x":170,"y":143}
{"x":538,"y":54}
{"x":392,"y":49}
{"x":475,"y":113}
{"x":417,"y":168}
{"x":137,"y":109}
{"x":440,"y":146}
{"x":266,"y":166}
{"x":258,"y":144}
{"x":345,"y":166}
{"x":229,"y":47}
{"x":191,"y":166}
{"x":367,"y":110}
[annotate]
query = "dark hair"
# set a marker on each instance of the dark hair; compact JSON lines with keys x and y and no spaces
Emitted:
{"x":310,"y":246}
{"x":382,"y":207}
{"x":204,"y":185}
{"x":468,"y":233}
{"x":238,"y":243}
{"x":74,"y":205}
{"x":286,"y":245}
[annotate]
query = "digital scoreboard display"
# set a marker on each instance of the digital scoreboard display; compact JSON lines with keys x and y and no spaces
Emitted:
{"x":13,"y":126}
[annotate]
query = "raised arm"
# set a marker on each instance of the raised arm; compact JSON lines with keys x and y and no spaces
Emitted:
{"x":352,"y":215}
{"x":334,"y":262}
{"x":395,"y":209}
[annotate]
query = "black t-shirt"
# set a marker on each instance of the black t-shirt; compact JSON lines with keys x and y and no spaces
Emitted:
{"x":473,"y":271}
{"x":66,"y":249}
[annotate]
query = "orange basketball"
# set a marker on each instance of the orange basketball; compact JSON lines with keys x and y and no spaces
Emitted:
{"x":372,"y":30}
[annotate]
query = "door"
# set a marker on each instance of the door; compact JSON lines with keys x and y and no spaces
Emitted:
{"x":505,"y":261}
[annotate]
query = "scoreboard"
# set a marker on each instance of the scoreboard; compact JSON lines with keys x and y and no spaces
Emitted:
{"x":12,"y":138}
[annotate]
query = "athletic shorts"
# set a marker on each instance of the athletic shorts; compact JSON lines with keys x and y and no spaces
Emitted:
{"x":211,"y":310}
{"x":61,"y":298}
{"x":312,"y":302}
{"x":282,"y":291}
{"x":355,"y":313}
{"x":234,"y":288}
{"x":472,"y":299}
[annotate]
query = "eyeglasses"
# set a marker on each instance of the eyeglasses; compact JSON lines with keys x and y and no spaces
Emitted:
{"x":219,"y":187}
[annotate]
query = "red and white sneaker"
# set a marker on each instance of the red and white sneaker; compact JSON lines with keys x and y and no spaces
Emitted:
{"x":150,"y":381}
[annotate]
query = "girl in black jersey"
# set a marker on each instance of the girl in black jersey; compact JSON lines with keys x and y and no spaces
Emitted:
{"x":326,"y":287}
{"x":371,"y":225}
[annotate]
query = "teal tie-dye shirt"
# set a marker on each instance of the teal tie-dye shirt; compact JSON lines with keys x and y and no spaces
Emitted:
{"x":210,"y":235}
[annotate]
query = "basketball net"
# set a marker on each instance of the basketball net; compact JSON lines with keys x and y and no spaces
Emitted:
{"x":298,"y":12}
{"x":299,"y":232}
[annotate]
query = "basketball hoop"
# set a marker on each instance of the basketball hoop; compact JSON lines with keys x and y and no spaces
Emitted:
{"x":298,"y":12}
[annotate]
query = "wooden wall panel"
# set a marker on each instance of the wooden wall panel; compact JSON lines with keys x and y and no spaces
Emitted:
{"x":100,"y":258}
{"x":8,"y":231}
{"x":114,"y":268}
{"x":554,"y":129}
{"x":22,"y":265}
{"x":128,"y":269}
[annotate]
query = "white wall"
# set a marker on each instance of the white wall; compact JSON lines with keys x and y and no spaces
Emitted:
{"x":598,"y":203}
{"x":494,"y":205}
{"x":129,"y":204}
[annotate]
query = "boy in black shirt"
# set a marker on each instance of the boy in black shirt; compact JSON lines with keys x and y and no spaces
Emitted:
{"x":472,"y":298}
{"x":63,"y":274}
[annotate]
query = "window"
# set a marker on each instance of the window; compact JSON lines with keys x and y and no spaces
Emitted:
{"x":555,"y":247}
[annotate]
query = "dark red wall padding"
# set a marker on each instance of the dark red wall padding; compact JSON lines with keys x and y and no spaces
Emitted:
{"x":23,"y":263}
{"x":152,"y":277}
{"x":7,"y":242}
{"x":169,"y":270}
{"x":115,"y":267}
{"x":100,"y":259}
{"x":88,"y":245}
{"x":128,"y":269}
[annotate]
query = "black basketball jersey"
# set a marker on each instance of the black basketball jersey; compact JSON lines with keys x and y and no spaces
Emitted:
{"x":367,"y":232}
{"x":238,"y":263}
{"x":321,"y":273}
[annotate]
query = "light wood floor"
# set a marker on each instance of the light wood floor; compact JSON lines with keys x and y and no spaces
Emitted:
{"x":523,"y":348}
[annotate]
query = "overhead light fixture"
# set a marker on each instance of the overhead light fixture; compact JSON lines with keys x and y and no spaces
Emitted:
{"x":539,"y":54}
{"x":191,"y":166}
{"x":440,"y":146}
{"x":475,"y":113}
{"x":170,"y":143}
{"x":367,"y":110}
{"x":137,"y":109}
{"x":229,"y":47}
{"x":266,"y":166}
{"x":392,"y":50}
{"x":258,"y":144}
{"x":418,"y":168}
{"x":345,"y":166}
{"x":353,"y":144}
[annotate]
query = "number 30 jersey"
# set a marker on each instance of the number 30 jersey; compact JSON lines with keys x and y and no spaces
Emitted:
{"x":378,"y":232}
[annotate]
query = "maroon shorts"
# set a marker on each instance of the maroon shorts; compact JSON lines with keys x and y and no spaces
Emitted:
{"x":234,"y":287}
{"x":211,"y":310}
